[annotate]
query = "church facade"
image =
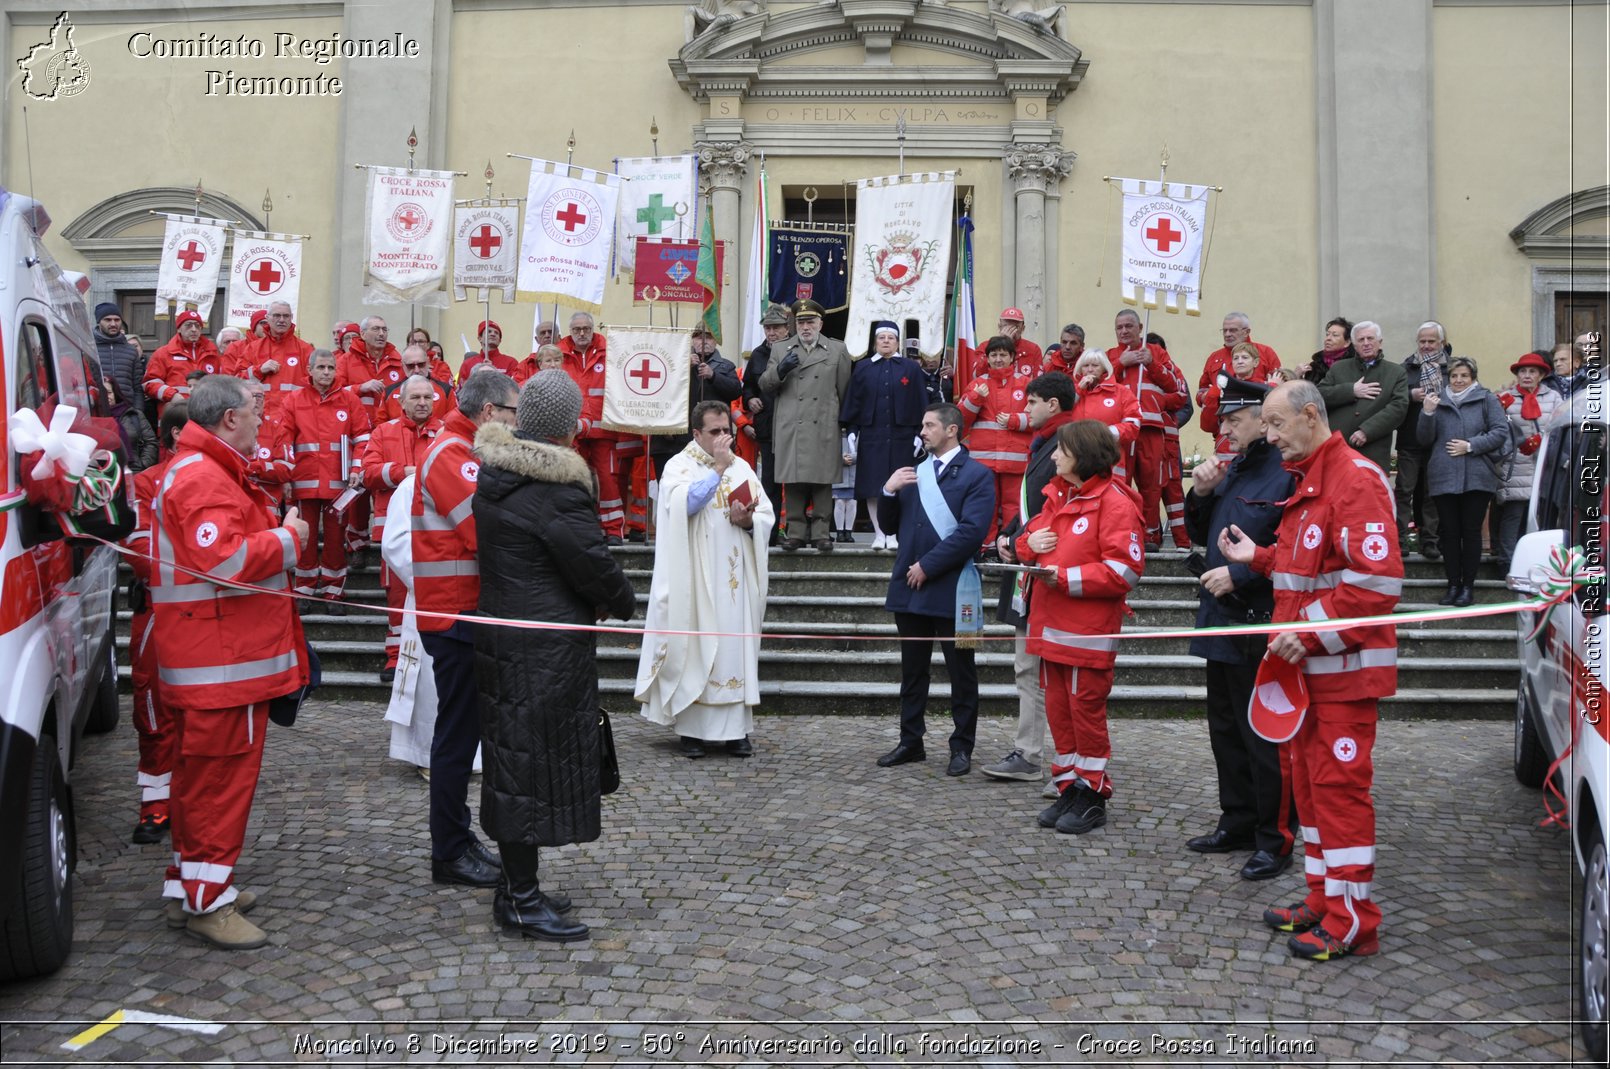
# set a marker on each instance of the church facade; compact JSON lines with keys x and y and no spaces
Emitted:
{"x":1381,"y":159}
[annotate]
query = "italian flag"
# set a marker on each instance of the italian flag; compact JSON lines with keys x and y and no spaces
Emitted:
{"x":961,"y":336}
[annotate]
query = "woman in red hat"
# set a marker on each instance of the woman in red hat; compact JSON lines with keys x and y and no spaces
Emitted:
{"x":1529,"y":405}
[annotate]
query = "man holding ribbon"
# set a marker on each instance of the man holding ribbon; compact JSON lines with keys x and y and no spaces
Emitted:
{"x":940,"y":509}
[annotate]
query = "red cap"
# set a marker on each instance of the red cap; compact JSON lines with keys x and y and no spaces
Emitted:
{"x":1532,"y":360}
{"x":349,"y":328}
{"x":1279,"y":699}
{"x":1014,"y":314}
{"x":258,"y":316}
{"x":480,"y":330}
{"x":189,"y":316}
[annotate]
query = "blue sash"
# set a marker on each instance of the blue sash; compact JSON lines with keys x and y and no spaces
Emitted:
{"x":969,"y":589}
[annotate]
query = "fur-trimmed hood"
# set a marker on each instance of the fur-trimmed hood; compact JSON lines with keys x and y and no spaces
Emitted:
{"x":528,"y":461}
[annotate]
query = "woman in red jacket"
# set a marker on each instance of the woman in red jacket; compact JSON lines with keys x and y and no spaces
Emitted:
{"x":1089,"y":539}
{"x":1106,"y":400}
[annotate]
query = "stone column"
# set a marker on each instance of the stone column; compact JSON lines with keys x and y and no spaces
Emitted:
{"x":1032,"y":171}
{"x":724,"y":164}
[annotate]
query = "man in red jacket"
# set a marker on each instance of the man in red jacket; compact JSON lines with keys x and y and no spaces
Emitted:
{"x":416,"y":361}
{"x":328,"y":428}
{"x":1237,"y":328}
{"x":1160,"y":389}
{"x":278,"y":359}
{"x":447,"y":580}
{"x":371,"y":366}
{"x":490,"y":335}
{"x":223,"y":653}
{"x":170,"y":366}
{"x":395,"y":449}
{"x":584,"y":352}
{"x":1336,"y":557}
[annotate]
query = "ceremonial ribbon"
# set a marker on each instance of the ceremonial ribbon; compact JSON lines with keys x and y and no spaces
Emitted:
{"x":57,"y":442}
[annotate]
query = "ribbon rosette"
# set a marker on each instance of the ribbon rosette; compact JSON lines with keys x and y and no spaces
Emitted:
{"x":1566,"y":570}
{"x":58,"y":442}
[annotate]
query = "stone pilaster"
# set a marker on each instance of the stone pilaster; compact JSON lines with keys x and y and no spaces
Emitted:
{"x":1032,"y":171}
{"x":724,"y":164}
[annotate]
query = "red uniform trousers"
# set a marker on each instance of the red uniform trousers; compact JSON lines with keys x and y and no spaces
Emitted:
{"x":220,"y":753}
{"x":396,"y":596}
{"x":1076,"y":709}
{"x":1146,"y":469}
{"x":322,"y":572}
{"x":1008,"y":498}
{"x":359,"y":515}
{"x":600,"y":456}
{"x":1332,"y":773}
{"x":1174,"y":490}
{"x":153,"y":722}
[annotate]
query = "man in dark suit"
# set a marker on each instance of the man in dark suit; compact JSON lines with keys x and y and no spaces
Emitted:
{"x":922,"y":590}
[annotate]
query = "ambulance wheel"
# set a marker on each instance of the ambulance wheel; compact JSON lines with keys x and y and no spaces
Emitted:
{"x":1593,"y":955}
{"x":106,"y":710}
{"x":1531,"y":762}
{"x":38,"y":929}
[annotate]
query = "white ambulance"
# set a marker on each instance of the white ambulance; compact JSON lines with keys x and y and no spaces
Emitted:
{"x":1561,"y":715}
{"x":58,"y":673}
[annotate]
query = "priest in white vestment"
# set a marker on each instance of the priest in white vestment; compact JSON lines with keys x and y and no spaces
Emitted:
{"x":709,"y":576}
{"x":412,"y":712}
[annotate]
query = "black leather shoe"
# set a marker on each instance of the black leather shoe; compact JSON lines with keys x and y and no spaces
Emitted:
{"x":537,"y":918}
{"x":478,"y":849}
{"x":905,"y":753}
{"x":692,"y":747}
{"x":615,"y":540}
{"x":387,"y":675}
{"x":1219,"y":842}
{"x":960,"y":764}
{"x":1466,"y":596}
{"x":791,"y":545}
{"x":468,"y":870}
{"x":1088,"y":813}
{"x":1058,"y":809}
{"x":1263,"y":865}
{"x":823,"y":545}
{"x":741,"y":747}
{"x":558,"y":901}
{"x":1450,"y":596}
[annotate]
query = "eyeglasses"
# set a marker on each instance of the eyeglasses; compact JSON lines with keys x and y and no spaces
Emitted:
{"x":506,"y":408}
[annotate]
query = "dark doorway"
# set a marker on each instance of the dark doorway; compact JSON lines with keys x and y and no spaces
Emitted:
{"x":1579,"y":313}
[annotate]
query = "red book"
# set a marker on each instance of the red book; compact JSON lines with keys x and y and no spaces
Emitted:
{"x":741,"y":494}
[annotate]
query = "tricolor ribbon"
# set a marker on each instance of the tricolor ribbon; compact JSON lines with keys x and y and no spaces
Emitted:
{"x":1566,"y":570}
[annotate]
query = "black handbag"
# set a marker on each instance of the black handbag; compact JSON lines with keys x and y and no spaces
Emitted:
{"x":609,"y":766}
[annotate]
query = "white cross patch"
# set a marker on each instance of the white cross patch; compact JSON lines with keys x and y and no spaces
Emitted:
{"x":206,"y":534}
{"x":1345,"y":749}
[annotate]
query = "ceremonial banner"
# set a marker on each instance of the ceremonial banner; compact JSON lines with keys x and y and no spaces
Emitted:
{"x":663,"y":270}
{"x":646,"y":381}
{"x":192,"y":256}
{"x":809,"y":265}
{"x":266,"y":268}
{"x":486,"y":238}
{"x":407,"y":235}
{"x":1162,"y":250}
{"x":655,"y":187}
{"x":902,"y":247}
{"x":568,"y":236}
{"x":962,"y":337}
{"x":708,"y":275}
{"x":757,"y":288}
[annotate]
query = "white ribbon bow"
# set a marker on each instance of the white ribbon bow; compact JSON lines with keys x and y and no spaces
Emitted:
{"x":58,"y":442}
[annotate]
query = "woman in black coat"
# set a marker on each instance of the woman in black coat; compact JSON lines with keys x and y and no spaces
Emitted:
{"x":542,"y":556}
{"x":1338,"y":346}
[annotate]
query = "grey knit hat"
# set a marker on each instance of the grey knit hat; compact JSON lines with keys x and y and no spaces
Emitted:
{"x":550,"y":404}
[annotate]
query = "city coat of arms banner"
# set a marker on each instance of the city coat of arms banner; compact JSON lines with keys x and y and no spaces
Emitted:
{"x":410,"y":217}
{"x":646,"y":380}
{"x":1163,"y":230}
{"x":265,"y":268}
{"x":656,"y":201}
{"x":569,"y":235}
{"x":809,"y":265}
{"x":902,"y":256}
{"x":192,"y":254}
{"x":486,"y":243}
{"x":664,"y":270}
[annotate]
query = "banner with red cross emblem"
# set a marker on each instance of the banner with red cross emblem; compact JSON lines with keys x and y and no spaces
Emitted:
{"x":646,"y":380}
{"x":265,"y":268}
{"x":1163,"y":230}
{"x":192,"y":257}
{"x":568,"y":236}
{"x":486,"y":236}
{"x":408,"y":232}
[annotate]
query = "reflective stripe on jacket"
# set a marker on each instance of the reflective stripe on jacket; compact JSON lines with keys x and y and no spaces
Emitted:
{"x":446,"y":577}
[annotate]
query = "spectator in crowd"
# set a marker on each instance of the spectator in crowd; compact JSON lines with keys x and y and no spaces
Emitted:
{"x":546,"y":356}
{"x":1425,"y":369}
{"x":996,"y":428}
{"x":1173,"y":477}
{"x":585,"y":355}
{"x":1026,"y":355}
{"x":883,"y":410}
{"x":271,"y":467}
{"x":1236,"y":331}
{"x":1100,"y":397}
{"x":416,"y":362}
{"x":440,"y":369}
{"x":139,"y":440}
{"x":545,"y":333}
{"x":278,"y":359}
{"x":1064,"y":357}
{"x":774,"y":324}
{"x":1366,"y":396}
{"x":328,"y":431}
{"x":490,"y":335}
{"x":371,"y":366}
{"x":418,"y":336}
{"x":228,"y":345}
{"x":189,"y":350}
{"x":938,"y":377}
{"x":1464,"y":428}
{"x":1529,"y":406}
{"x":541,"y":556}
{"x":1244,"y":365}
{"x":1337,"y":345}
{"x":120,"y":360}
{"x":1572,"y":371}
{"x":347,"y":335}
{"x":1159,"y":389}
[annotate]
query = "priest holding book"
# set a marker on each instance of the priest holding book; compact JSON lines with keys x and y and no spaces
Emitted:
{"x":710,"y":579}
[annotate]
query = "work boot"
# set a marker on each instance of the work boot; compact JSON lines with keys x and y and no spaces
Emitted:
{"x":151,"y":828}
{"x":1087,"y":814}
{"x":224,"y":927}
{"x":1317,"y":944}
{"x":1055,"y":811}
{"x":1298,"y":918}
{"x":173,"y":912}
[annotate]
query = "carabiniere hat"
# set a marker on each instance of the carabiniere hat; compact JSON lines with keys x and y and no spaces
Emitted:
{"x":1236,"y":394}
{"x":807,"y":308}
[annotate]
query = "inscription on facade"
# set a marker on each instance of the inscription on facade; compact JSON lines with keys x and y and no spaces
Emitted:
{"x":873,"y":113}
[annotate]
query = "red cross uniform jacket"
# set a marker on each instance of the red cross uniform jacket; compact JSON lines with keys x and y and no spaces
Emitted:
{"x":289,"y":351}
{"x":1336,"y":557}
{"x":447,"y":577}
{"x":166,"y":372}
{"x":270,"y":467}
{"x":1000,"y":449}
{"x":441,"y":400}
{"x":395,"y":446}
{"x":497,"y":358}
{"x":219,"y":647}
{"x":1219,"y":360}
{"x":359,"y":366}
{"x":1112,"y":404}
{"x":1099,"y":559}
{"x":325,"y":430}
{"x":1158,"y":387}
{"x":587,"y":369}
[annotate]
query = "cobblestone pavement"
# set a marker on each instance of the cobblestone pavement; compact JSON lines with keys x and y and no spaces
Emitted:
{"x":806,"y":896}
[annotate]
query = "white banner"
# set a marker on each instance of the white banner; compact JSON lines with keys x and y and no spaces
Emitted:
{"x":568,"y":236}
{"x":656,"y":201}
{"x":486,"y":239}
{"x":192,"y":257}
{"x":646,"y":381}
{"x":266,"y":268}
{"x":407,"y":235}
{"x":902,"y":256}
{"x":1162,"y":254}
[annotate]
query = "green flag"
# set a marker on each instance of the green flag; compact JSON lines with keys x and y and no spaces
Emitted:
{"x":707,"y":276}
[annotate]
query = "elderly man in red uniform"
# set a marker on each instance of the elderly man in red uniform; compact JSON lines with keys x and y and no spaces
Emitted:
{"x":1160,"y":389}
{"x":186,"y":352}
{"x":416,"y":361}
{"x":278,"y":359}
{"x":328,"y":428}
{"x":394,"y":451}
{"x":584,"y":352}
{"x":490,"y":335}
{"x":1237,"y":328}
{"x":223,"y":653}
{"x":371,"y":366}
{"x":1336,"y":557}
{"x":447,"y":579}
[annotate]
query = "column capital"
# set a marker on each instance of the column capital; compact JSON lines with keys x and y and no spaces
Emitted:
{"x":1037,"y":168}
{"x":724,"y":161}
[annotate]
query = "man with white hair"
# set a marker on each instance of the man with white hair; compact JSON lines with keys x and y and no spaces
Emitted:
{"x":1425,"y":368}
{"x":278,"y":359}
{"x":1237,"y":328}
{"x":1367,"y":396}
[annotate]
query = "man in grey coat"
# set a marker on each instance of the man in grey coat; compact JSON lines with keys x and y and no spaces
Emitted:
{"x":1367,"y":396}
{"x":806,"y":382}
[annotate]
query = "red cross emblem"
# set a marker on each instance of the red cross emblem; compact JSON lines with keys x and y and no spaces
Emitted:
{"x":644,"y":378}
{"x":191,"y":255}
{"x":408,"y":218}
{"x":486,"y":241}
{"x":1163,"y":235}
{"x":572,"y":217}
{"x":264,"y":276}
